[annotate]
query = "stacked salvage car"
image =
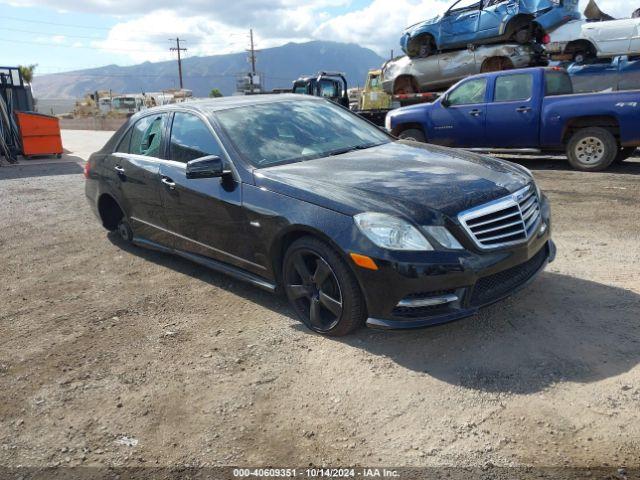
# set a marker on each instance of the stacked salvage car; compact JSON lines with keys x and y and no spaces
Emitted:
{"x":473,"y":37}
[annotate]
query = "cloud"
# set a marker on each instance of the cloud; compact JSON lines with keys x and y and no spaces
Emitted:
{"x":220,"y":26}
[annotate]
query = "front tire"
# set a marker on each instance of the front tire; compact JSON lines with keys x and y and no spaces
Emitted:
{"x":321,"y":288}
{"x":413,"y":134}
{"x":592,"y":149}
{"x":422,"y":46}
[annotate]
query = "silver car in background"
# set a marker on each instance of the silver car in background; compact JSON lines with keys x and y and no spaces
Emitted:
{"x":439,"y":72}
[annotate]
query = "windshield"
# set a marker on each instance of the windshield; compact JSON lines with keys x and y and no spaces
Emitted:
{"x":127,"y":102}
{"x":290,"y":131}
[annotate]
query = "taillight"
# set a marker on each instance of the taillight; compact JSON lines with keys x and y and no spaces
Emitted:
{"x":546,"y":39}
{"x":87,"y":169}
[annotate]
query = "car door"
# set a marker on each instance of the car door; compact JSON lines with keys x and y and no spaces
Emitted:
{"x":136,"y":168}
{"x":454,"y":66}
{"x":611,"y":37}
{"x":629,"y":73}
{"x":205,"y":215}
{"x":459,"y":25}
{"x":492,"y":17}
{"x":634,"y":44}
{"x":426,"y":71}
{"x":512,"y":119}
{"x":460,"y":120}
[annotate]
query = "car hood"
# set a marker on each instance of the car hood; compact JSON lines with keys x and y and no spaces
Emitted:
{"x":432,"y":21}
{"x":403,"y":178}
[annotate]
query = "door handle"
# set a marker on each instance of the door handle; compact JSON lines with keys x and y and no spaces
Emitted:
{"x":119,"y":169}
{"x":169,"y":183}
{"x":523,"y":109}
{"x":475,"y":113}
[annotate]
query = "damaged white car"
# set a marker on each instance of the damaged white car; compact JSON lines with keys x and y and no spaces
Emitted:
{"x":599,"y":36}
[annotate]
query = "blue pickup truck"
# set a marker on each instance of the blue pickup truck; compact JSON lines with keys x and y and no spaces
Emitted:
{"x":527,"y":108}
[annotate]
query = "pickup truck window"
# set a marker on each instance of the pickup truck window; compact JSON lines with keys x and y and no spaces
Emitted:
{"x":557,"y":83}
{"x":510,"y":88}
{"x":469,"y":92}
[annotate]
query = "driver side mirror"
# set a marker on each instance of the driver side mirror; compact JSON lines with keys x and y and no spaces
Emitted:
{"x":445,"y":101}
{"x":210,"y":166}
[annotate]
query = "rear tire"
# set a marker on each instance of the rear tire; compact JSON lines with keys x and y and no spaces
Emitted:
{"x":624,"y":153}
{"x":496,"y":64}
{"x":592,"y":149}
{"x":125,"y":231}
{"x":321,"y":288}
{"x":413,"y":134}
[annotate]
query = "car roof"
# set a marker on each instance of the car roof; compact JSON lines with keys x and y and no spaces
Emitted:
{"x":209,"y":105}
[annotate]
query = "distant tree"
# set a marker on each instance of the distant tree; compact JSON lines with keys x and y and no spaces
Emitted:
{"x":27,"y":72}
{"x":215,"y":93}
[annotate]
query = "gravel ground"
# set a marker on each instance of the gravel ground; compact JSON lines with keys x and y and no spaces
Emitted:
{"x":115,"y":355}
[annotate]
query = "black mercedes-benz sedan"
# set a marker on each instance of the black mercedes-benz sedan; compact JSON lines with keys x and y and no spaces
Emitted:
{"x":297,"y":194}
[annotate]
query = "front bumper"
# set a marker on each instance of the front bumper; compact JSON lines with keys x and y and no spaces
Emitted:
{"x":475,"y":280}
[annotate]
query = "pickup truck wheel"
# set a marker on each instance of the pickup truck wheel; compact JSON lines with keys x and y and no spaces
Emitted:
{"x":413,"y":134}
{"x":592,"y":149}
{"x":624,"y":153}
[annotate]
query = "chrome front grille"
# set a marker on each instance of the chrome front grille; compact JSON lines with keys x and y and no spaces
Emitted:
{"x":506,"y":221}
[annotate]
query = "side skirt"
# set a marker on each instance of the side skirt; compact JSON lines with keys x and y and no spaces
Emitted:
{"x":210,"y":263}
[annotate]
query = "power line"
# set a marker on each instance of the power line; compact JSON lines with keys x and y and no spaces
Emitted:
{"x":5,"y":17}
{"x":54,"y":34}
{"x":96,"y":47}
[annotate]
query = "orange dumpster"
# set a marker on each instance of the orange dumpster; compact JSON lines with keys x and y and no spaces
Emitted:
{"x":40,"y":134}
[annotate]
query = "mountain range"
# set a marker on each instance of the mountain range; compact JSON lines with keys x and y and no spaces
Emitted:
{"x":278,"y":66}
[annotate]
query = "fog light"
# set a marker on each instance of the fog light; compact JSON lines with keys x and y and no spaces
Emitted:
{"x":543,"y":227}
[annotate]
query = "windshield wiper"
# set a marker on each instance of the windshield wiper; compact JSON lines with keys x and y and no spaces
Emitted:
{"x":340,"y":151}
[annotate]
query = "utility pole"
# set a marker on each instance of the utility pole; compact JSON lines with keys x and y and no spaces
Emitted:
{"x":178,"y":49}
{"x":252,"y":53}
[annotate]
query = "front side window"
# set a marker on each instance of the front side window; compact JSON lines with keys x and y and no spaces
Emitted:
{"x":191,"y":139}
{"x":464,"y":6}
{"x":146,"y":137}
{"x":289,"y":131}
{"x":513,"y":87}
{"x":469,"y":92}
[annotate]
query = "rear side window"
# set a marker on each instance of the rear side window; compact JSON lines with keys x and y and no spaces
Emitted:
{"x":469,"y":92}
{"x":513,"y":87}
{"x":123,"y":146}
{"x":146,"y":136}
{"x":191,"y":139}
{"x":557,"y":83}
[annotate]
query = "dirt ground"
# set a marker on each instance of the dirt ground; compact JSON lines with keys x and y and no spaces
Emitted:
{"x":115,"y":355}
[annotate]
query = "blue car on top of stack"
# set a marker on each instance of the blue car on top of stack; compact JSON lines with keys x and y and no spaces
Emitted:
{"x":472,"y":22}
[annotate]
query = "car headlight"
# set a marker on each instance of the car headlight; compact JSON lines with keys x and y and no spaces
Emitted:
{"x":443,"y":237}
{"x":387,"y":122}
{"x":390,"y":232}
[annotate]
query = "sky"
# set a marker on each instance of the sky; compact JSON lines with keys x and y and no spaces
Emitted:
{"x":63,"y":35}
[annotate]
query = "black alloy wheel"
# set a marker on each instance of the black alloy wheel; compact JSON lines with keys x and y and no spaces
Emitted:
{"x":321,"y":289}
